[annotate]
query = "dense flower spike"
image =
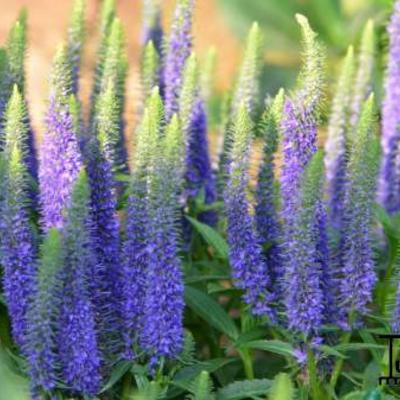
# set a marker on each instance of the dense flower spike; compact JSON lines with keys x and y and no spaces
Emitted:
{"x":246,"y":90}
{"x":162,"y":333}
{"x":267,"y":219}
{"x":107,"y":127}
{"x":75,"y":38}
{"x":389,"y":193}
{"x":60,"y":143}
{"x":336,"y":146}
{"x":105,"y":285}
{"x":112,"y":84}
{"x":249,"y":267}
{"x":311,"y":80}
{"x":134,"y":253}
{"x":78,"y":346}
{"x":44,"y":314}
{"x":17,"y":245}
{"x":194,"y":125}
{"x":299,"y":121}
{"x":15,"y":75}
{"x":363,"y":79}
{"x":304,"y":272}
{"x":178,"y":50}
{"x":358,"y":275}
{"x":151,"y":29}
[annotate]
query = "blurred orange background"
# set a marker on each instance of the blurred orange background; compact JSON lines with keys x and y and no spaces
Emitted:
{"x":47,"y":24}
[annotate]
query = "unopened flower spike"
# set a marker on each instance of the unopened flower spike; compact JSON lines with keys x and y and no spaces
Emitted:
{"x":266,"y":210}
{"x":60,"y":142}
{"x":150,"y":69}
{"x":75,"y":39}
{"x":358,"y":268}
{"x":249,"y":268}
{"x":43,"y":316}
{"x":16,"y":130}
{"x":362,"y":86}
{"x":178,"y":49}
{"x":114,"y":71}
{"x":108,"y":129}
{"x":15,"y":75}
{"x":304,"y":298}
{"x":16,"y":49}
{"x":207,"y":74}
{"x":107,"y":16}
{"x":17,"y":244}
{"x":337,"y":144}
{"x":311,"y":80}
{"x":77,"y":340}
{"x":389,"y":180}
{"x":246,"y":90}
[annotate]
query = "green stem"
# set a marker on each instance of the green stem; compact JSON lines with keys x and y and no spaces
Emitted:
{"x":126,"y":387}
{"x":388,"y":276}
{"x":245,"y":355}
{"x":313,"y":375}
{"x":339,"y":362}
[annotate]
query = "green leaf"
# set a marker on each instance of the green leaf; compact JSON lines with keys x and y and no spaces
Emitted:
{"x":330,"y":351}
{"x":282,"y":388}
{"x":212,"y":237}
{"x":244,"y":389}
{"x":344,"y":347}
{"x":208,"y":309}
{"x":273,"y":346}
{"x":250,"y":336}
{"x":119,"y":371}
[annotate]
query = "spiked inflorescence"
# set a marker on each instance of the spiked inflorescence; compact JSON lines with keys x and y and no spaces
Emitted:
{"x":249,"y":267}
{"x":179,"y":47}
{"x":78,"y":341}
{"x":337,"y":144}
{"x":358,"y":271}
{"x":17,"y":244}
{"x":60,"y":143}
{"x":390,"y":140}
{"x":267,"y":218}
{"x":43,"y":316}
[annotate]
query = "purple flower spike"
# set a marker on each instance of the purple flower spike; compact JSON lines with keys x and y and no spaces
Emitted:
{"x":178,"y":50}
{"x":78,"y":343}
{"x":57,"y":179}
{"x":389,"y":184}
{"x":17,"y":246}
{"x":249,"y":267}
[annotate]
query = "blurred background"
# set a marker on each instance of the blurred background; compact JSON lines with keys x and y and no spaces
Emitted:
{"x":219,"y":23}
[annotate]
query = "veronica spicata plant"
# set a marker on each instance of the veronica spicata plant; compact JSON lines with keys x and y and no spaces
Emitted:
{"x":289,"y":268}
